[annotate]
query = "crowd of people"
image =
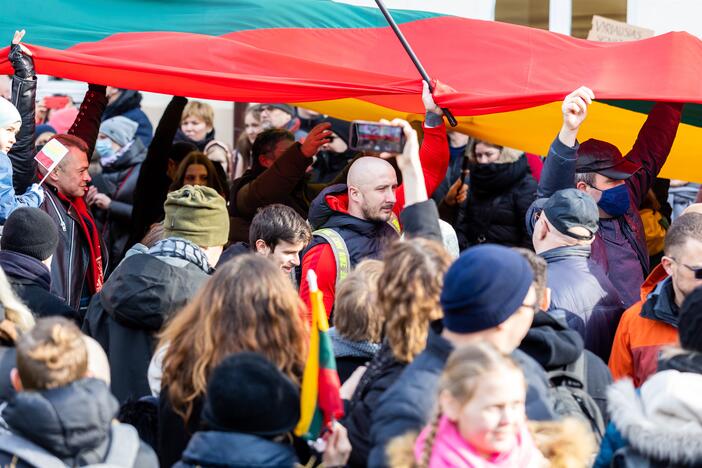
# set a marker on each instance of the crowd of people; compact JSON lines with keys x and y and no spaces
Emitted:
{"x":488,"y":308}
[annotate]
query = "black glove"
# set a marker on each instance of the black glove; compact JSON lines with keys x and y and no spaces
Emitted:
{"x":21,"y":62}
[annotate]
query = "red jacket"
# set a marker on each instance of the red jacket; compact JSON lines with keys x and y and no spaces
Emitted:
{"x":434,"y":155}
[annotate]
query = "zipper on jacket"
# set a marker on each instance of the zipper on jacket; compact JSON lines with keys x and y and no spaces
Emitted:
{"x":58,"y":215}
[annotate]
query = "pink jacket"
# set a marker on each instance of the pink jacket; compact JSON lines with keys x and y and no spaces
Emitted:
{"x":450,"y":450}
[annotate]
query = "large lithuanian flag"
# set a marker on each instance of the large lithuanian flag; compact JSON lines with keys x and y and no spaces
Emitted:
{"x":501,"y":81}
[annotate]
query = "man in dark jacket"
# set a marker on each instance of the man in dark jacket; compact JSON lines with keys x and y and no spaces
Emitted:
{"x":277,"y":175}
{"x":147,"y":288}
{"x":488,"y":295}
{"x":282,"y":116}
{"x":127,"y":103}
{"x":562,"y":235}
{"x":77,"y":271}
{"x":112,"y":194}
{"x":58,"y":414}
{"x":618,"y":185}
{"x":553,"y":345}
{"x":27,"y":245}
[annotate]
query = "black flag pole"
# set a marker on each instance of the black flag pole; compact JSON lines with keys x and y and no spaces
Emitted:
{"x":449,"y":116}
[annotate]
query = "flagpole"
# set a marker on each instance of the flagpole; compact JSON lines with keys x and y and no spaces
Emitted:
{"x":449,"y":116}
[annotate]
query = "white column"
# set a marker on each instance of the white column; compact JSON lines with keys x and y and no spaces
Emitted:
{"x":560,"y":16}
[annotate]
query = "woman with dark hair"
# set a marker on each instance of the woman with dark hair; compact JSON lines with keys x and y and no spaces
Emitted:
{"x":500,"y":191}
{"x":197,"y":169}
{"x":235,"y":311}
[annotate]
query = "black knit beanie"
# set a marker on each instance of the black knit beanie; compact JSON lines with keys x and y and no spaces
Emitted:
{"x":30,"y":231}
{"x":690,"y":322}
{"x":248,"y":394}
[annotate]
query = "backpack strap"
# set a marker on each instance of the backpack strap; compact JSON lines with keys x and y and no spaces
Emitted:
{"x":572,"y":375}
{"x":340,"y":250}
{"x":124,"y":446}
{"x":29,"y":452}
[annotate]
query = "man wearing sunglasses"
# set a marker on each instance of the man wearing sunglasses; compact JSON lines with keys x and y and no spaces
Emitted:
{"x":617,"y":184}
{"x":652,"y":322}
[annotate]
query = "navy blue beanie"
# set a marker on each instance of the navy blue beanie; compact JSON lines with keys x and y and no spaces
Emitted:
{"x":484,"y":287}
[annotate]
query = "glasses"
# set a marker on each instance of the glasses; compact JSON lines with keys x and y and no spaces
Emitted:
{"x":696,"y":270}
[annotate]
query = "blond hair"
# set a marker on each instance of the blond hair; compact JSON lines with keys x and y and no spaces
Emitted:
{"x":460,"y":378}
{"x":52,"y":354}
{"x":408,"y":293}
{"x":15,"y":311}
{"x":357,"y":316}
{"x":200,"y":110}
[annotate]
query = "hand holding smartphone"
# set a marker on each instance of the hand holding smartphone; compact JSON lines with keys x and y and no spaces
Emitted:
{"x":375,"y":137}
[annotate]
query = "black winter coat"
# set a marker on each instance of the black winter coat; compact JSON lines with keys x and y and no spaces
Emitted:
{"x":499,"y":196}
{"x":31,"y":280}
{"x":553,"y":345}
{"x":382,"y":372}
{"x":173,"y":434}
{"x":118,"y":181}
{"x":140,"y":295}
{"x":235,"y":450}
{"x":72,"y":422}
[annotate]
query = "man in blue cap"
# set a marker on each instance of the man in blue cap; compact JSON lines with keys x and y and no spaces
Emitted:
{"x":617,"y":184}
{"x":488,"y":296}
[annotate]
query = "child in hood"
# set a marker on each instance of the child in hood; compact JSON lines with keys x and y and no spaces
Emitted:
{"x":10,"y":122}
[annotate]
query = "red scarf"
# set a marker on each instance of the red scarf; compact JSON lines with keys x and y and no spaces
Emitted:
{"x":90,"y":231}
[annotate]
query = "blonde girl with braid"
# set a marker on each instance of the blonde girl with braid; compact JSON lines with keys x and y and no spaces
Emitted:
{"x":481,"y":421}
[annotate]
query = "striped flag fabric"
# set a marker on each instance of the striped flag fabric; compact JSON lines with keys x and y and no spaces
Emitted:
{"x":50,"y":156}
{"x":320,"y":402}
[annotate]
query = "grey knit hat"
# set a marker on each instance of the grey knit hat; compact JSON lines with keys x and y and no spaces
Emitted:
{"x":119,"y":129}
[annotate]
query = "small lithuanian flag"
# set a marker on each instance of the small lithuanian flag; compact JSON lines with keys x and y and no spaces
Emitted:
{"x":320,"y":403}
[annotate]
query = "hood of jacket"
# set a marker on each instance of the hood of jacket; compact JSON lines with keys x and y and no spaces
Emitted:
{"x":330,"y":209}
{"x":551,"y":343}
{"x":127,"y":100}
{"x":72,"y":422}
{"x":143,"y":290}
{"x":135,"y":154}
{"x":25,"y":268}
{"x":234,"y":450}
{"x":680,"y":360}
{"x":664,"y":420}
{"x":660,"y":303}
{"x":492,"y":178}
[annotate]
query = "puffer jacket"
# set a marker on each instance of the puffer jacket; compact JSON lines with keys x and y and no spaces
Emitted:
{"x":235,"y":450}
{"x":118,"y":181}
{"x":644,"y":328}
{"x":72,"y":422}
{"x":657,"y":425}
{"x":580,"y":286}
{"x":72,"y":257}
{"x":141,"y":294}
{"x":498,"y":198}
{"x":650,"y":150}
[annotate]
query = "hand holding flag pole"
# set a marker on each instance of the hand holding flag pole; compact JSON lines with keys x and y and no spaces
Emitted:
{"x":449,"y":116}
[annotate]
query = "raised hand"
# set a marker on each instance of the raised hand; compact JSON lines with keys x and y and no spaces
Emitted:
{"x":314,"y":140}
{"x":428,"y":100}
{"x":574,"y":109}
{"x":410,"y":153}
{"x":21,"y":57}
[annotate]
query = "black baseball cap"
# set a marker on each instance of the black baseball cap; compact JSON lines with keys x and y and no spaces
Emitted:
{"x":571,"y":208}
{"x":604,"y":158}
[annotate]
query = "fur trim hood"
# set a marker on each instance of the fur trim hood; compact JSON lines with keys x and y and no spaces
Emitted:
{"x":507,"y":155}
{"x":663,"y":420}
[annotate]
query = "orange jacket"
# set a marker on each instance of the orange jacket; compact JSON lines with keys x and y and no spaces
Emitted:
{"x":638,"y":339}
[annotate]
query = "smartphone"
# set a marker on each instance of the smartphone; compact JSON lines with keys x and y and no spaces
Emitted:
{"x":374,"y":137}
{"x":56,"y":102}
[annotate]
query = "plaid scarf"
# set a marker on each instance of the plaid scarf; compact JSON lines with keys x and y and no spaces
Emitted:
{"x":177,"y":247}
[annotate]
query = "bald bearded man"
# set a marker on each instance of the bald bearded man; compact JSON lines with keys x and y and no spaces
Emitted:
{"x":359,"y":217}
